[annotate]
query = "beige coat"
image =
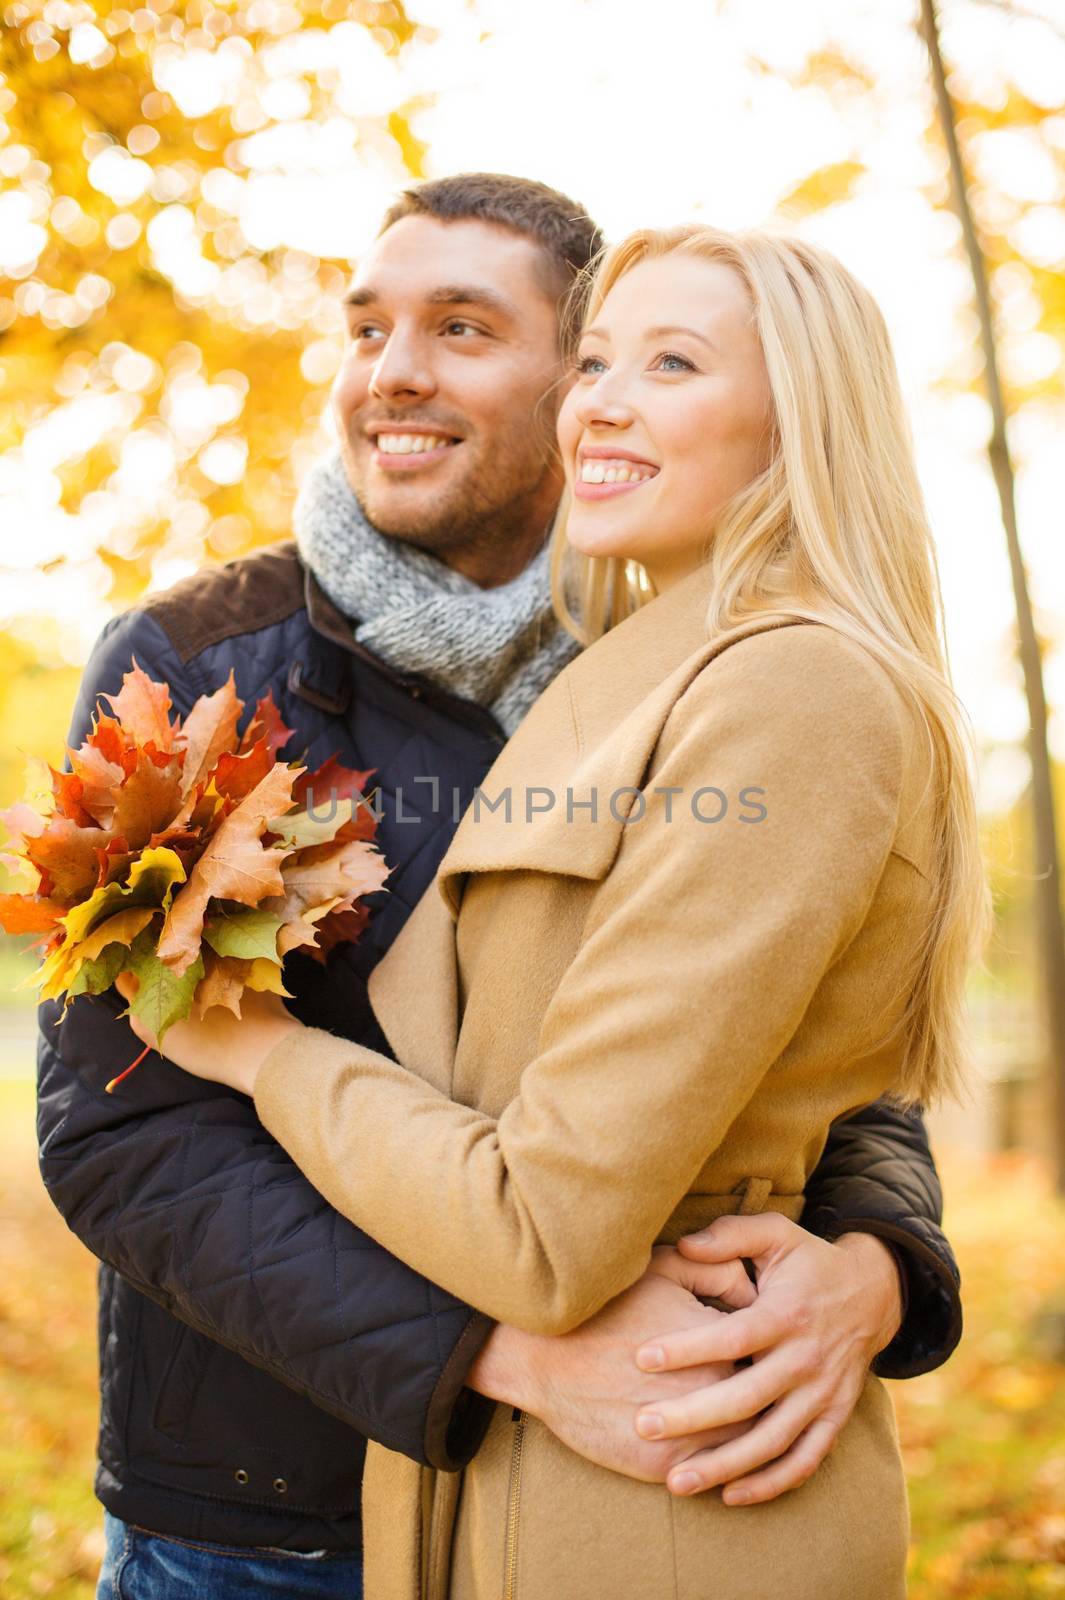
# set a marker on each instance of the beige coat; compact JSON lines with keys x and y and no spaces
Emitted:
{"x":613,"y":1029}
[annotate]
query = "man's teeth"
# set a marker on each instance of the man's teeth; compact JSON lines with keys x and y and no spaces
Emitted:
{"x":409,"y":444}
{"x":615,"y":472}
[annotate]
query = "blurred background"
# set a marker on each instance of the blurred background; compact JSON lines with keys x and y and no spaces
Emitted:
{"x":184,"y":188}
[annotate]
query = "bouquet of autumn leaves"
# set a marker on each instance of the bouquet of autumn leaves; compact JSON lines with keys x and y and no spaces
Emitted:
{"x":189,"y":857}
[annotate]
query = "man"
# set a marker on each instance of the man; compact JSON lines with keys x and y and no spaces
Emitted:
{"x":250,"y":1337}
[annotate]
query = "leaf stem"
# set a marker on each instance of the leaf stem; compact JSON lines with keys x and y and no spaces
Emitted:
{"x":111,"y":1087}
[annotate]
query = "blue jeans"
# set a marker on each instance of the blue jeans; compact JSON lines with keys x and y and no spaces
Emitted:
{"x":150,"y":1566}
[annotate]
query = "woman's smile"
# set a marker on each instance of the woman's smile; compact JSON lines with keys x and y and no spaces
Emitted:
{"x":603,"y":472}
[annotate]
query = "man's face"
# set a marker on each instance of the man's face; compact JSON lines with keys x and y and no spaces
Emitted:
{"x":446,"y":399}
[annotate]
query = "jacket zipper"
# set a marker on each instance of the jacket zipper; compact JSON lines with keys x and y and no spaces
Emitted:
{"x":510,"y":1568}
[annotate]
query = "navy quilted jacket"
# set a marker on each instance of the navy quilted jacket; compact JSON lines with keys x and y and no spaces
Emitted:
{"x":250,"y":1337}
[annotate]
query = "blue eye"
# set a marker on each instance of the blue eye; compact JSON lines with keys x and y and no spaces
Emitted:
{"x":682,"y":364}
{"x":590,"y":366}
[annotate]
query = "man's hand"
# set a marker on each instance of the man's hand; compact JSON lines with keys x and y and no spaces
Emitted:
{"x":819,"y":1316}
{"x":585,"y":1385}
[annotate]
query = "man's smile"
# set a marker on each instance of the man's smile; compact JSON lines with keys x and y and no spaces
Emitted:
{"x":405,"y":449}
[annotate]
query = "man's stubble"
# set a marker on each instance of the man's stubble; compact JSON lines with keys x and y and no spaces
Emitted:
{"x":485,"y":511}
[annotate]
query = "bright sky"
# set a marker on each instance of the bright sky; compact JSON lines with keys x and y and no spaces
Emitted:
{"x":664,"y":113}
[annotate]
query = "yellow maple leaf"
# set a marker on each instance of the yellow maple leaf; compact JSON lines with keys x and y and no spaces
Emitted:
{"x":265,"y":975}
{"x":150,"y":885}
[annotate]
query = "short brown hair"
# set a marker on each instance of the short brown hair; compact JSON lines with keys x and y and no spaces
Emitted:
{"x":568,"y":238}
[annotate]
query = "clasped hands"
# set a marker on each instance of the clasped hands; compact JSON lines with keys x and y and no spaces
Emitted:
{"x":675,"y":1407}
{"x":653,"y":1385}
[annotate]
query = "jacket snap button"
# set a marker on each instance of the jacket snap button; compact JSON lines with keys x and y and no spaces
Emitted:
{"x":240,"y":1475}
{"x":280,"y":1486}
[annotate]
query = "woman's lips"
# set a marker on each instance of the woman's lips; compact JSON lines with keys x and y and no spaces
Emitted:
{"x":623,"y":472}
{"x":604,"y":491}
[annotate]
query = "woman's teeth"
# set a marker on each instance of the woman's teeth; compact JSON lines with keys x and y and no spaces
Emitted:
{"x":615,"y":472}
{"x":409,"y":444}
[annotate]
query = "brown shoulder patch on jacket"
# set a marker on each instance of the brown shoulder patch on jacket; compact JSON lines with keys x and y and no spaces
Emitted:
{"x":220,"y":602}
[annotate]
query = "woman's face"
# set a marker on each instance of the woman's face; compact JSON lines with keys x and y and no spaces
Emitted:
{"x":669,"y":415}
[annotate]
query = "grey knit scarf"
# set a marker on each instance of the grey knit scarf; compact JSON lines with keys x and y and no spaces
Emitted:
{"x":499,"y":647}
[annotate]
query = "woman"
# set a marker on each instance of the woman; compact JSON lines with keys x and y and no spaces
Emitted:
{"x":732,"y":896}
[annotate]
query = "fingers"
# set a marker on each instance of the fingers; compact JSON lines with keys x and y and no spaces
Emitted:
{"x":723,"y":1338}
{"x":717,"y":1280}
{"x":724,"y":1280}
{"x":733,"y":1399}
{"x":761,"y":1235}
{"x":789,"y":1471}
{"x":769,"y":1441}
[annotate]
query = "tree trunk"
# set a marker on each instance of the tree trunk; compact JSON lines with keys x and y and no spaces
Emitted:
{"x":1050,"y":926}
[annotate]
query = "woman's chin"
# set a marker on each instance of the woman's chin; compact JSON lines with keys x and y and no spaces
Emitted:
{"x":600,"y":541}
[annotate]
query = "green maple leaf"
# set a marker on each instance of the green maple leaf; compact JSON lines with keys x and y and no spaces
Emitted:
{"x":248,"y":933}
{"x":93,"y":977}
{"x":162,"y":998}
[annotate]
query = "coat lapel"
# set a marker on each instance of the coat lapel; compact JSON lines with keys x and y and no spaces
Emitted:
{"x":592,"y":733}
{"x":590,"y":736}
{"x":414,"y":992}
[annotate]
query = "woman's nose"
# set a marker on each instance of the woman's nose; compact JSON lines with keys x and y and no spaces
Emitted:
{"x":603,"y":403}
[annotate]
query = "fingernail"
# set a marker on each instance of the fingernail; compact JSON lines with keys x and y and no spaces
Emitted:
{"x":651,"y":1357}
{"x":736,"y":1497}
{"x":648,"y":1426}
{"x":684,"y":1483}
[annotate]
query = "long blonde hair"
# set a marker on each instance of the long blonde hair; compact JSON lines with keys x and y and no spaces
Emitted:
{"x":833,"y":531}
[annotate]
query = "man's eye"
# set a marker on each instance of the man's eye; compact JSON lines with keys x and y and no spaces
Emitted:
{"x":591,"y":366}
{"x":457,"y":326}
{"x":366,"y":332}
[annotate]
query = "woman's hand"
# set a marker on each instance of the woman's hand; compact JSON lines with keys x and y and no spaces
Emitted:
{"x":585,"y":1385}
{"x":820,"y":1314}
{"x":221,"y":1048}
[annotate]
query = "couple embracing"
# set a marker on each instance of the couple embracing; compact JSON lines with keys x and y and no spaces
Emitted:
{"x":590,"y":1186}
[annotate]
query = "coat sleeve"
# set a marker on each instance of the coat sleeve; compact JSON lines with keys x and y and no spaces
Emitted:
{"x":702,"y":950}
{"x":177,"y":1185}
{"x":877,"y":1175}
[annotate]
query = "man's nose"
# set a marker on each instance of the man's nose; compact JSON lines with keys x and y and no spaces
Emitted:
{"x":402,"y":371}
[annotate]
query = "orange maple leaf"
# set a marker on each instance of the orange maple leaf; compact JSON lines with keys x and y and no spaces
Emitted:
{"x":317,"y":790}
{"x":236,"y":775}
{"x":108,"y":738}
{"x":68,"y":792}
{"x":341,"y":926}
{"x":142,"y":707}
{"x":22,"y":913}
{"x":209,"y":730}
{"x":66,"y":856}
{"x":145,"y":801}
{"x":234,"y":866}
{"x":341,"y":876}
{"x":266,"y":724}
{"x":98,"y":777}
